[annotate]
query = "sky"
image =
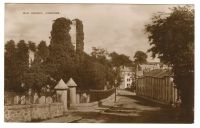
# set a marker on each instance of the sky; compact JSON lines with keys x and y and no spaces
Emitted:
{"x":115,"y":27}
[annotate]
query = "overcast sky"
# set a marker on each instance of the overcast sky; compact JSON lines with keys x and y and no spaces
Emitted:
{"x":117,"y":28}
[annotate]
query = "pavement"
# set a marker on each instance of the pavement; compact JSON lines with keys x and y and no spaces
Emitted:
{"x":127,"y":109}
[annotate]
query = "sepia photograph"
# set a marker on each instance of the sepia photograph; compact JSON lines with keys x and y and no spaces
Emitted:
{"x":99,"y":63}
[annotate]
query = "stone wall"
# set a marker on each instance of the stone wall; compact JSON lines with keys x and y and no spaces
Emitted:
{"x":34,"y":112}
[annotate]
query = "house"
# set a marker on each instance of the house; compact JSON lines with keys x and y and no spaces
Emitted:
{"x":127,"y":77}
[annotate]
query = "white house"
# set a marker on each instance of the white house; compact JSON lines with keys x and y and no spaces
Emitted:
{"x":127,"y":76}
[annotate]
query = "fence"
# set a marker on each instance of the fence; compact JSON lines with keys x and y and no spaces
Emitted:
{"x":160,"y":89}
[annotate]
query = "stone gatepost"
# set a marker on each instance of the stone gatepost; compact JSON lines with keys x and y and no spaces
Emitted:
{"x":61,"y":91}
{"x":72,"y":92}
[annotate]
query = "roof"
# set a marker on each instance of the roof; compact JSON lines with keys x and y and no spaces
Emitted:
{"x":159,"y":73}
{"x":61,"y":85}
{"x":71,"y":83}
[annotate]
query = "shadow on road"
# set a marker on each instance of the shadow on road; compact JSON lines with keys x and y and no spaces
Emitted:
{"x":142,"y":101}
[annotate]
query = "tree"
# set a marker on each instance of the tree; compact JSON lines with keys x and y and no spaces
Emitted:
{"x":43,"y":51}
{"x":99,"y":54}
{"x":140,"y":57}
{"x":61,"y":61}
{"x":120,"y":59}
{"x":31,"y":46}
{"x":10,"y":65}
{"x":171,"y":36}
{"x":22,"y":63}
{"x":35,"y":77}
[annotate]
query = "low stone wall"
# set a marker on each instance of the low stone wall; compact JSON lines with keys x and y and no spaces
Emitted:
{"x":27,"y":113}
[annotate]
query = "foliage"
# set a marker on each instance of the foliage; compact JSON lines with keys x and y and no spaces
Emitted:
{"x":120,"y":59}
{"x":43,"y":51}
{"x":99,"y":54}
{"x":171,"y":36}
{"x":16,"y":64}
{"x":140,"y":57}
{"x":79,"y":40}
{"x":60,"y":62}
{"x":57,"y":61}
{"x":21,"y":61}
{"x":31,"y":46}
{"x":79,"y":36}
{"x":10,"y":65}
{"x":35,"y":77}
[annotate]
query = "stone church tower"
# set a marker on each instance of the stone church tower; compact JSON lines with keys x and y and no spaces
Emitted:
{"x":77,"y":35}
{"x":72,"y":33}
{"x":77,"y":38}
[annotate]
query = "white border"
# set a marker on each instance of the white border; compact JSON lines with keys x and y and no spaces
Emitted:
{"x":52,"y":125}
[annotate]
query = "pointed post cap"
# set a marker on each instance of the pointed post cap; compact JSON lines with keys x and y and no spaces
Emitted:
{"x":61,"y":85}
{"x":71,"y":83}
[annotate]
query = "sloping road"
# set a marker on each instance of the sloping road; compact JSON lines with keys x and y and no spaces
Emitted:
{"x":128,"y":109}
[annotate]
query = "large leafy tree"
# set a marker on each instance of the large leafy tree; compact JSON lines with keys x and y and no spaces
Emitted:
{"x":99,"y":54}
{"x":120,"y":59}
{"x":102,"y":67}
{"x":35,"y":77}
{"x":171,"y":36}
{"x":60,"y":63}
{"x":140,"y":57}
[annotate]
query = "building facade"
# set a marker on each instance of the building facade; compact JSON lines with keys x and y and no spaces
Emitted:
{"x":127,"y":77}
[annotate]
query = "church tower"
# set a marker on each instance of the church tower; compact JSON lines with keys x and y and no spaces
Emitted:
{"x":77,"y":38}
{"x":73,"y":33}
{"x":77,"y":35}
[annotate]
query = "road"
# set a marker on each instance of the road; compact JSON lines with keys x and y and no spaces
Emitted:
{"x":128,"y":109}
